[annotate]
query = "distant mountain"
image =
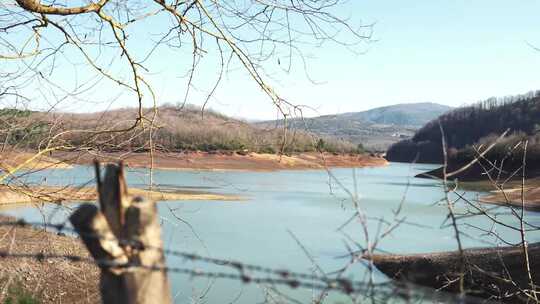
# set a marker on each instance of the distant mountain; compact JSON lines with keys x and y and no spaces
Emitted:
{"x":375,"y":129}
{"x":405,"y":114}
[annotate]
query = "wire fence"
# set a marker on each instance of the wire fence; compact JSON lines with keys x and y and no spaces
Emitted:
{"x":246,"y":273}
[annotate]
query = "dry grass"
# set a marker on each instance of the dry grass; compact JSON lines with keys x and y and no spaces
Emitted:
{"x":48,"y":281}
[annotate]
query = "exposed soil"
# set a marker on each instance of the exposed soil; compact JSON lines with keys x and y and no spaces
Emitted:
{"x":47,"y":280}
{"x":512,"y":197}
{"x":474,"y":179}
{"x":477,"y":173}
{"x":226,"y":161}
{"x":29,"y":160}
{"x":13,"y":196}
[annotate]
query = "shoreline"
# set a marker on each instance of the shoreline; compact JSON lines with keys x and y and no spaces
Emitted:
{"x":511,"y":197}
{"x":225,"y":161}
{"x":30,"y":160}
{"x":13,"y":197}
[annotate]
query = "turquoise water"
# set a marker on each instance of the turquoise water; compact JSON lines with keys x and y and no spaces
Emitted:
{"x":310,"y":205}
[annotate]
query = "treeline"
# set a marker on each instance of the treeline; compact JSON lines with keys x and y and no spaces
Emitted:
{"x":174,"y":129}
{"x":468,"y":128}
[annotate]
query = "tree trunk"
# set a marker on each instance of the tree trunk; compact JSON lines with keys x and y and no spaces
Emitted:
{"x":497,"y":273}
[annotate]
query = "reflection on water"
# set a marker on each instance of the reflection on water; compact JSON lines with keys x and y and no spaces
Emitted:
{"x":307,"y":203}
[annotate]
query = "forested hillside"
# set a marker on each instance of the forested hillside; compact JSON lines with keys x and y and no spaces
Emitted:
{"x":175,"y":129}
{"x":374,"y":129}
{"x":471,"y":127}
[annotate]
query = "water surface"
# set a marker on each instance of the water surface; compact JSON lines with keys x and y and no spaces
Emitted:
{"x":311,"y":205}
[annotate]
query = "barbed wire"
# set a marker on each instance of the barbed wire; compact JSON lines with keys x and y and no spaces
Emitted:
{"x":273,"y":276}
{"x":343,"y":285}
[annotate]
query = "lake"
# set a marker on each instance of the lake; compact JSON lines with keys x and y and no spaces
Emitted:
{"x":281,"y":207}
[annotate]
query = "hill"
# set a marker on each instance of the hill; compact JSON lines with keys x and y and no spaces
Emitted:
{"x":375,"y":129}
{"x":176,"y":129}
{"x":405,"y":114}
{"x":470,"y":128}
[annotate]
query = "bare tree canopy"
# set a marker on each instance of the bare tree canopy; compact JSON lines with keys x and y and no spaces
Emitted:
{"x":80,"y":54}
{"x":116,"y":42}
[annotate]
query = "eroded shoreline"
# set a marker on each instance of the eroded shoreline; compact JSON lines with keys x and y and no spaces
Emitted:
{"x":12,"y":197}
{"x":225,"y":161}
{"x":516,"y":192}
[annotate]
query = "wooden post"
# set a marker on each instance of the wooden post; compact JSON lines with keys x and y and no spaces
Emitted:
{"x":124,"y":231}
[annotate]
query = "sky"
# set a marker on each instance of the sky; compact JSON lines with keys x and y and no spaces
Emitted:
{"x":449,"y":52}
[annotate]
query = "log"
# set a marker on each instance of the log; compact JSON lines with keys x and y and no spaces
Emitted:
{"x":492,"y":273}
{"x":123,"y":236}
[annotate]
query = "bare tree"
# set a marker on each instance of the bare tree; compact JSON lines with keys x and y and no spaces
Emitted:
{"x":505,"y":271}
{"x":58,"y":53}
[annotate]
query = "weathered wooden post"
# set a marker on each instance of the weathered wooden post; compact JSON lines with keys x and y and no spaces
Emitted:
{"x":123,"y":235}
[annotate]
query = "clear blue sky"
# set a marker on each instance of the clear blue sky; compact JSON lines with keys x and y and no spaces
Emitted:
{"x":450,"y":52}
